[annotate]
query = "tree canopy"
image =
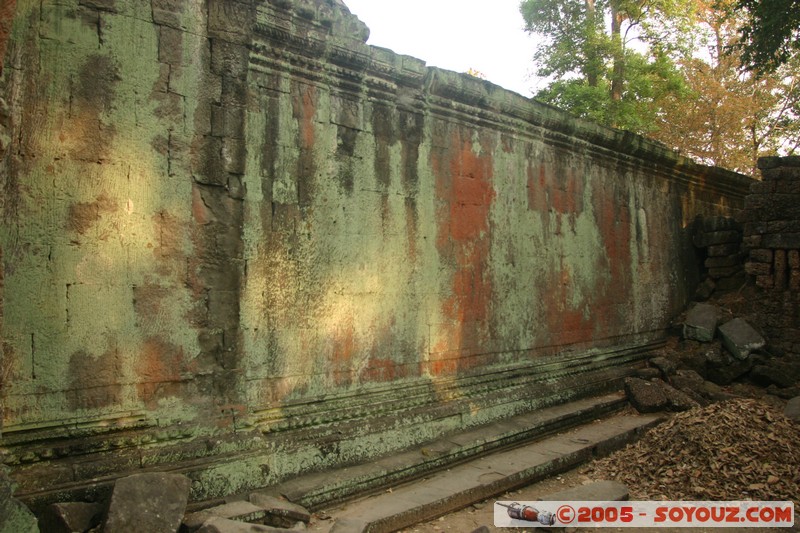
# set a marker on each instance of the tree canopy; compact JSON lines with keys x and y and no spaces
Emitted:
{"x":669,"y":69}
{"x":770,"y":34}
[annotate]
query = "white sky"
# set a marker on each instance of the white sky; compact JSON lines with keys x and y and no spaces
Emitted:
{"x":486,"y":35}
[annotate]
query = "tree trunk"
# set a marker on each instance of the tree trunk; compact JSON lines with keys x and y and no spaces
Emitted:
{"x":593,"y":60}
{"x":618,"y":75}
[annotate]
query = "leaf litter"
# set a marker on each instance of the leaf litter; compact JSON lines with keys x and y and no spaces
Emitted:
{"x":739,"y":449}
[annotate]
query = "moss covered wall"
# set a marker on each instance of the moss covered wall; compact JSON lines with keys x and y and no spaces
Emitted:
{"x":218,"y":216}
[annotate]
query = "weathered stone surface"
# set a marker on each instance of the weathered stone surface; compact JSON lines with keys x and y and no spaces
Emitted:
{"x":667,"y":367}
{"x":152,"y":503}
{"x":610,"y":491}
{"x":197,"y":166}
{"x":687,"y":378}
{"x":722,"y":368}
{"x":218,"y":524}
{"x":740,"y":338}
{"x":781,"y":375}
{"x":242,"y":511}
{"x":714,"y":392}
{"x":677,"y":400}
{"x":701,"y":322}
{"x":349,"y":525}
{"x":702,"y":240}
{"x":792,"y":410}
{"x":69,"y":517}
{"x":648,"y":373}
{"x":787,"y":393}
{"x":15,"y":517}
{"x":286,"y":513}
{"x":705,"y":290}
{"x":645,"y":396}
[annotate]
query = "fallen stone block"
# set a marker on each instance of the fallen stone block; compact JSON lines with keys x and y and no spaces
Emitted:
{"x":280,"y":513}
{"x":701,"y":322}
{"x":740,"y":339}
{"x":765,"y":376}
{"x":598,"y":491}
{"x":645,"y":396}
{"x":71,"y":516}
{"x":792,"y":410}
{"x":785,"y":393}
{"x":152,"y":503}
{"x":723,"y":369}
{"x":714,"y":392}
{"x":666,"y":367}
{"x":15,"y":517}
{"x":241,"y":511}
{"x":648,"y":373}
{"x":677,"y":400}
{"x":217,"y":524}
{"x":687,"y":379}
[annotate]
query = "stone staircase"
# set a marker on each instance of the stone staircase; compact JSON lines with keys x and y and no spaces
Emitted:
{"x":456,"y":470}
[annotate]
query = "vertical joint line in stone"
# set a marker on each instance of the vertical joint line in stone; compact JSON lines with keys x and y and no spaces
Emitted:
{"x":66,"y":305}
{"x":33,"y":356}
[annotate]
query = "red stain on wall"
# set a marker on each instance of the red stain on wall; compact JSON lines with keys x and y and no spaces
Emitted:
{"x":465,"y":193}
{"x":556,"y":190}
{"x":161,"y":365}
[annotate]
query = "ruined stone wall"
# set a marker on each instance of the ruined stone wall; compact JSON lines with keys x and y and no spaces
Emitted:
{"x":772,"y":243}
{"x":238,"y":239}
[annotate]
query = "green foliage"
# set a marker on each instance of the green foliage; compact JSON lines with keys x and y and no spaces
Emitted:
{"x":770,"y":34}
{"x":671,"y":69}
{"x":598,"y":74}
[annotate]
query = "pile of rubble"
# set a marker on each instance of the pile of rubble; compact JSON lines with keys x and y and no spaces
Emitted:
{"x":718,"y":358}
{"x":155,"y":503}
{"x":734,"y":450}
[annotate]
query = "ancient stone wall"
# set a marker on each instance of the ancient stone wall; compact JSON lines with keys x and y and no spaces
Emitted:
{"x":240,"y":242}
{"x":772,"y":241}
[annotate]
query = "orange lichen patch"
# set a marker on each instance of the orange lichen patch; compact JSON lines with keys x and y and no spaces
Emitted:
{"x":201,"y":213}
{"x":159,"y":362}
{"x":384,"y":370}
{"x":465,"y":187}
{"x":305,"y":110}
{"x":343,"y":349}
{"x":555,"y":188}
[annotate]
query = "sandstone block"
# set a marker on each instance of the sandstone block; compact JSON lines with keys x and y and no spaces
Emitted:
{"x":72,"y":516}
{"x":667,"y":367}
{"x":701,"y":322}
{"x":703,"y":239}
{"x":288,"y":513}
{"x":152,"y":503}
{"x":740,"y":339}
{"x":792,"y":410}
{"x":676,"y":399}
{"x":240,"y":511}
{"x":15,"y":517}
{"x":645,"y":396}
{"x":758,"y":269}
{"x":761,"y":255}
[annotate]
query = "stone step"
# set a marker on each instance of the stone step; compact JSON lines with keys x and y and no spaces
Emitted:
{"x":323,"y":489}
{"x":489,"y":476}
